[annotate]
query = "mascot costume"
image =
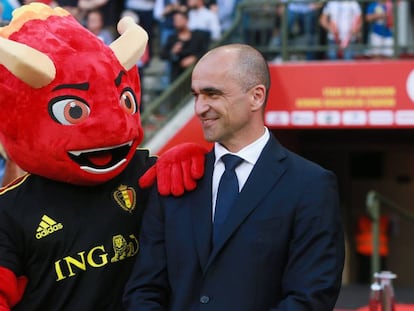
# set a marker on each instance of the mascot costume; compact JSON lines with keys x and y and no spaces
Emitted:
{"x":69,"y":117}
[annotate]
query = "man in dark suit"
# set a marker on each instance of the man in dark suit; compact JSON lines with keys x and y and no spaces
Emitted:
{"x":281,"y":246}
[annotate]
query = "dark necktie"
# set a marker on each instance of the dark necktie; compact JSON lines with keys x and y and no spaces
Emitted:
{"x":228,"y":190}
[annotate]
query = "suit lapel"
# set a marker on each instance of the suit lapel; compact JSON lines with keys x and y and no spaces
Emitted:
{"x":202,"y":212}
{"x":268,"y":170}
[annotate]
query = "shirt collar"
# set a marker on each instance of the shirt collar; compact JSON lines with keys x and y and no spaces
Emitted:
{"x":250,"y":153}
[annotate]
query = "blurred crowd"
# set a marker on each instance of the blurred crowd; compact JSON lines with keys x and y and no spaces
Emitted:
{"x":346,"y":29}
{"x":101,"y":16}
{"x":180,"y":31}
{"x":343,"y":24}
{"x":180,"y":39}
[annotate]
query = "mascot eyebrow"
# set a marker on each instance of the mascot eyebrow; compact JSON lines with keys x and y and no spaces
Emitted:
{"x":85,"y":86}
{"x":119,"y":78}
{"x":78,"y":86}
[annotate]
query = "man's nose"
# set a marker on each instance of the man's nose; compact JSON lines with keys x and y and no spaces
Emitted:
{"x":200,"y":106}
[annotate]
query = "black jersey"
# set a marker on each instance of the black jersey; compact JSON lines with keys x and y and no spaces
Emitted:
{"x":75,"y":244}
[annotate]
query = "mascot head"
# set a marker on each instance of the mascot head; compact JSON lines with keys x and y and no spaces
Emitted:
{"x":69,"y":106}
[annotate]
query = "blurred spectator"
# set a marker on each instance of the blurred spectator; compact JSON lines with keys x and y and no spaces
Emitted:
{"x":342,"y":21}
{"x":91,"y":4}
{"x":48,"y":2}
{"x":9,"y":170}
{"x":305,"y":15}
{"x":163,"y":10}
{"x":6,"y":8}
{"x":202,"y":18}
{"x":226,"y":10}
{"x":95,"y":24}
{"x":3,"y":159}
{"x":182,"y":50}
{"x":260,"y":24}
{"x":380,"y":35}
{"x":364,"y":245}
{"x":111,"y":10}
{"x":184,"y":47}
{"x":212,"y":4}
{"x":71,"y":6}
{"x":144,"y":9}
{"x":143,"y":61}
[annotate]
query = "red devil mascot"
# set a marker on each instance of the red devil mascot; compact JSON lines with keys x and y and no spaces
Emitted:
{"x":69,"y":117}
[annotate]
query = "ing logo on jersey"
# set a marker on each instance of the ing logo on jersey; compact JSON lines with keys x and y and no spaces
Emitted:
{"x":47,"y":226}
{"x":122,"y":249}
{"x":96,"y":257}
{"x":125,"y":197}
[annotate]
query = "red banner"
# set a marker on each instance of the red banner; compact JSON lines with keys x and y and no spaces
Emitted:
{"x":360,"y":94}
{"x":367,"y":94}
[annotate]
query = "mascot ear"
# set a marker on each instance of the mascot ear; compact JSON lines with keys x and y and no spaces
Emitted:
{"x":29,"y":65}
{"x":127,"y":48}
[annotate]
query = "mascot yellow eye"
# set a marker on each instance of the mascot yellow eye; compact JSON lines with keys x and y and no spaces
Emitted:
{"x":128,"y":102}
{"x":69,"y":111}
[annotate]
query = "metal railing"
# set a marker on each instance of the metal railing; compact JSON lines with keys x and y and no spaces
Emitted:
{"x":262,"y":13}
{"x":374,"y":201}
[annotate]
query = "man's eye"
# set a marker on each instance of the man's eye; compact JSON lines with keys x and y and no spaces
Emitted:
{"x":213,"y":95}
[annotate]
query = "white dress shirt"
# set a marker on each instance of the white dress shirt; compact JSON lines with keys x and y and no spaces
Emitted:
{"x":250,"y":154}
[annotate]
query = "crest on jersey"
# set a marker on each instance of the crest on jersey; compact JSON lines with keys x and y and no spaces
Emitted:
{"x":125,"y":197}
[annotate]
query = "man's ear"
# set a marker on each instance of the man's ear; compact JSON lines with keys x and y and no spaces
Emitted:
{"x":258,"y":94}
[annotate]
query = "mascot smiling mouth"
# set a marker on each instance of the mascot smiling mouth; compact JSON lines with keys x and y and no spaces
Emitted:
{"x":101,"y":160}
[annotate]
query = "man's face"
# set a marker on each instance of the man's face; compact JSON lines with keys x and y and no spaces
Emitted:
{"x":94,"y":21}
{"x":193,"y":4}
{"x":221,"y":104}
{"x":180,"y":21}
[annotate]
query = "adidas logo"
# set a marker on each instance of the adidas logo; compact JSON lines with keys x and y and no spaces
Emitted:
{"x":47,"y":226}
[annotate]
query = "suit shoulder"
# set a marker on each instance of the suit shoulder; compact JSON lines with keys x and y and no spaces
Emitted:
{"x":139,"y":164}
{"x":306,"y":166}
{"x":143,"y":157}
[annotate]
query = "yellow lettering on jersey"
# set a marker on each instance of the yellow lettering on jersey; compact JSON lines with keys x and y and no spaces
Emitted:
{"x":58,"y":270}
{"x":96,"y":257}
{"x":72,"y":261}
{"x":103,"y":256}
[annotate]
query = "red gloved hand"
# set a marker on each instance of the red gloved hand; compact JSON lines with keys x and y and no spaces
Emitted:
{"x":11,"y":289}
{"x":176,"y":170}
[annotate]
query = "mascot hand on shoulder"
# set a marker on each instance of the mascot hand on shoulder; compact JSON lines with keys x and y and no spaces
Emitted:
{"x":70,"y":119}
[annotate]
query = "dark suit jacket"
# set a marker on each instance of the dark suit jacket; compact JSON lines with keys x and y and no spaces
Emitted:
{"x":282,"y":247}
